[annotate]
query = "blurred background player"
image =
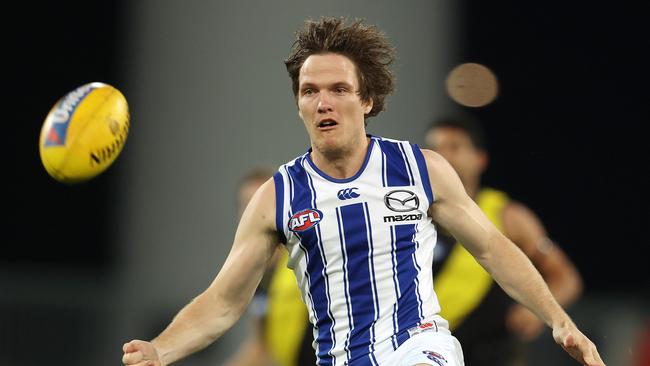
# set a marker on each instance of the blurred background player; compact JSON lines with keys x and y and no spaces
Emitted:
{"x":492,"y":328}
{"x":280,"y":332}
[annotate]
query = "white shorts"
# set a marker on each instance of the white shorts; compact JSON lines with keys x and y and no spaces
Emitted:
{"x":430,"y":348}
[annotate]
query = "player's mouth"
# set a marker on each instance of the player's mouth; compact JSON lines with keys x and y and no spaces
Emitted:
{"x":326,"y":124}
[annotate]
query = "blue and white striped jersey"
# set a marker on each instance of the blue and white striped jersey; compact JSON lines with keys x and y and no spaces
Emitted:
{"x":362,"y":250}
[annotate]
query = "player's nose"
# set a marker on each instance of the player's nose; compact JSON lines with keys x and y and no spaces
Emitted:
{"x":324,"y":104}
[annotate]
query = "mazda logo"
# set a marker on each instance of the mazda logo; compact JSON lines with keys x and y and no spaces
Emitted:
{"x":401,"y":200}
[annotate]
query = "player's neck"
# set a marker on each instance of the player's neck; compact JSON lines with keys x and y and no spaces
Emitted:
{"x":342,"y":164}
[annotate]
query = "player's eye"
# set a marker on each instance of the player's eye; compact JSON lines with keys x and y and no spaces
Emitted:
{"x":307,"y":91}
{"x":340,"y":90}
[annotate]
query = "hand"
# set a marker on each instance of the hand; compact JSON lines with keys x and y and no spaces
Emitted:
{"x":577,"y":345}
{"x":523,"y":323}
{"x":140,"y":353}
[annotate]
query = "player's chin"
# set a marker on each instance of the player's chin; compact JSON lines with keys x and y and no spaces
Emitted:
{"x":329,"y":145}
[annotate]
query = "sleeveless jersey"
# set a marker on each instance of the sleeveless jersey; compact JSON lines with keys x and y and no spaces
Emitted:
{"x":361,"y":249}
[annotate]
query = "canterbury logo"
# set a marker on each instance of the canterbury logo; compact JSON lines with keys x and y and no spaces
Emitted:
{"x":348,"y":193}
{"x":401,"y":200}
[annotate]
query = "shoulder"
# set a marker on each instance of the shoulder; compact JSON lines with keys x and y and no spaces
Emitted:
{"x":445,"y":183}
{"x":261,"y":208}
{"x":436,"y":164}
{"x":293,"y":165}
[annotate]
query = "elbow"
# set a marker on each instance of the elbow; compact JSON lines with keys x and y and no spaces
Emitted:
{"x":220,"y":313}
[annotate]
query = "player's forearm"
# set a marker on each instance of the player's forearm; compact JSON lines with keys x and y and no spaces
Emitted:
{"x":518,"y":277}
{"x":200,"y":323}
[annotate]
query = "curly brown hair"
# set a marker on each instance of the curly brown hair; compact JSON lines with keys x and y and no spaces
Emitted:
{"x":364,"y":44}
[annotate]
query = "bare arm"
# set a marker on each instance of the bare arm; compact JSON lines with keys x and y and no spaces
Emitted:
{"x":253,"y":350}
{"x":215,"y":310}
{"x":507,"y":264}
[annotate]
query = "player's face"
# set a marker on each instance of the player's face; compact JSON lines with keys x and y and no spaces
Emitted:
{"x":329,"y":103}
{"x":457,"y":147}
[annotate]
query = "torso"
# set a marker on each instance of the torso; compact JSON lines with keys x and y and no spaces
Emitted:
{"x":361,"y":249}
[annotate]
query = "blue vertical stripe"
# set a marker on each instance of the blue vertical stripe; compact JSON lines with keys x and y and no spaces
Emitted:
{"x":396,"y":169}
{"x":324,"y":258}
{"x":291,"y":193}
{"x":316,"y":263}
{"x":409,"y":304}
{"x":302,"y":248}
{"x":424,"y":172}
{"x":279,"y":206}
{"x":362,"y":303}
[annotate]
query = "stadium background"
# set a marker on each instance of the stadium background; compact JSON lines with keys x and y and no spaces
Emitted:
{"x":84,"y":268}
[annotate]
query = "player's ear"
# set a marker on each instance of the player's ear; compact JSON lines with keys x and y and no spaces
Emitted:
{"x":367,"y":106}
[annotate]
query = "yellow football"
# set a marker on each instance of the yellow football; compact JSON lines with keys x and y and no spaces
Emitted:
{"x":84,"y":132}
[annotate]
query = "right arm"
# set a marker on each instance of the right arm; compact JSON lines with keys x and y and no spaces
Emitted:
{"x":215,"y":310}
{"x":508,"y":265}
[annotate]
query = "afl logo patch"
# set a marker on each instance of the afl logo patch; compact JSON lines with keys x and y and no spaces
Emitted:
{"x":305,"y":220}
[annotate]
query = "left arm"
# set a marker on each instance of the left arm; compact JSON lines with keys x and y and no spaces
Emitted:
{"x":508,"y":265}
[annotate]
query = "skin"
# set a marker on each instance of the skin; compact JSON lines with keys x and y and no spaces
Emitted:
{"x":328,"y":90}
{"x":339,"y":151}
{"x":521,"y":226}
{"x":252,"y":352}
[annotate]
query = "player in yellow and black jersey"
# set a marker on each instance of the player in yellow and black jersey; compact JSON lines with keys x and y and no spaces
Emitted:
{"x":491,"y":327}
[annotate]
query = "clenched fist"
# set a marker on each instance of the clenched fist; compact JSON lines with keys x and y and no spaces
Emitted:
{"x":140,"y":353}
